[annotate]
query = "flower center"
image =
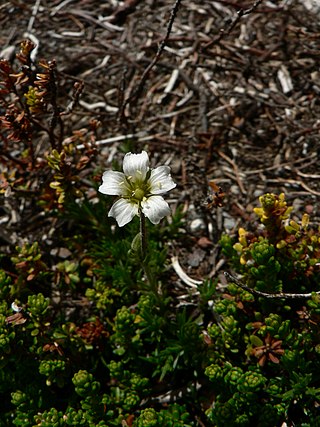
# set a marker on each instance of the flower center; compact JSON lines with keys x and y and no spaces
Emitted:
{"x":138,"y":194}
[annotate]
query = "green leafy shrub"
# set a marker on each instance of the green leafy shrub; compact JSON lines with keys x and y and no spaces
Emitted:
{"x":266,"y":344}
{"x":89,"y":341}
{"x":92,"y":331}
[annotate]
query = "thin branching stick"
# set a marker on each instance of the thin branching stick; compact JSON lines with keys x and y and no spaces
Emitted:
{"x":161,"y":47}
{"x":266,"y":294}
{"x":226,"y":31}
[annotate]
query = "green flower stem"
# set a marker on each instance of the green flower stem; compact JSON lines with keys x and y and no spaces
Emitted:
{"x":144,"y":261}
{"x":143,"y":233}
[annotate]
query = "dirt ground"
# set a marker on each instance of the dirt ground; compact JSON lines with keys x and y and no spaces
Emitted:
{"x":219,"y":90}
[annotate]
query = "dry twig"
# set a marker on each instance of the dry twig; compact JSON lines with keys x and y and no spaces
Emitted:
{"x":280,"y":295}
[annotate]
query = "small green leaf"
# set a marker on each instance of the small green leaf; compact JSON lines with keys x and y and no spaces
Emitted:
{"x":256,"y":341}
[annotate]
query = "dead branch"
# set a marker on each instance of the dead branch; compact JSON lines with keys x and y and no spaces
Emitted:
{"x":146,"y":72}
{"x":280,"y":295}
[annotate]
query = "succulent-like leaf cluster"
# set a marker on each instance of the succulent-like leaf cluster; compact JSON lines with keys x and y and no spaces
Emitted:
{"x":89,"y":338}
{"x":266,"y":350}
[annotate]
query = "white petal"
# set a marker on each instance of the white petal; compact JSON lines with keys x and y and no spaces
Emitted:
{"x":160,"y":180}
{"x":155,"y":208}
{"x":136,"y":165}
{"x":123,"y":211}
{"x":113,"y":184}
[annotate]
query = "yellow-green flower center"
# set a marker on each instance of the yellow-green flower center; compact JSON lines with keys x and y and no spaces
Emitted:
{"x":138,"y":194}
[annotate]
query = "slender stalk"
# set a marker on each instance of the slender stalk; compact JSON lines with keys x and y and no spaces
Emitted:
{"x":143,"y":233}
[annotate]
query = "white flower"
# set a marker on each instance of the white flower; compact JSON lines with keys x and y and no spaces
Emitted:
{"x":139,"y":189}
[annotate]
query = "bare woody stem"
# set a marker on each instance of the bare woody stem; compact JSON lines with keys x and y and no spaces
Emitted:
{"x":146,"y":72}
{"x":266,"y":294}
